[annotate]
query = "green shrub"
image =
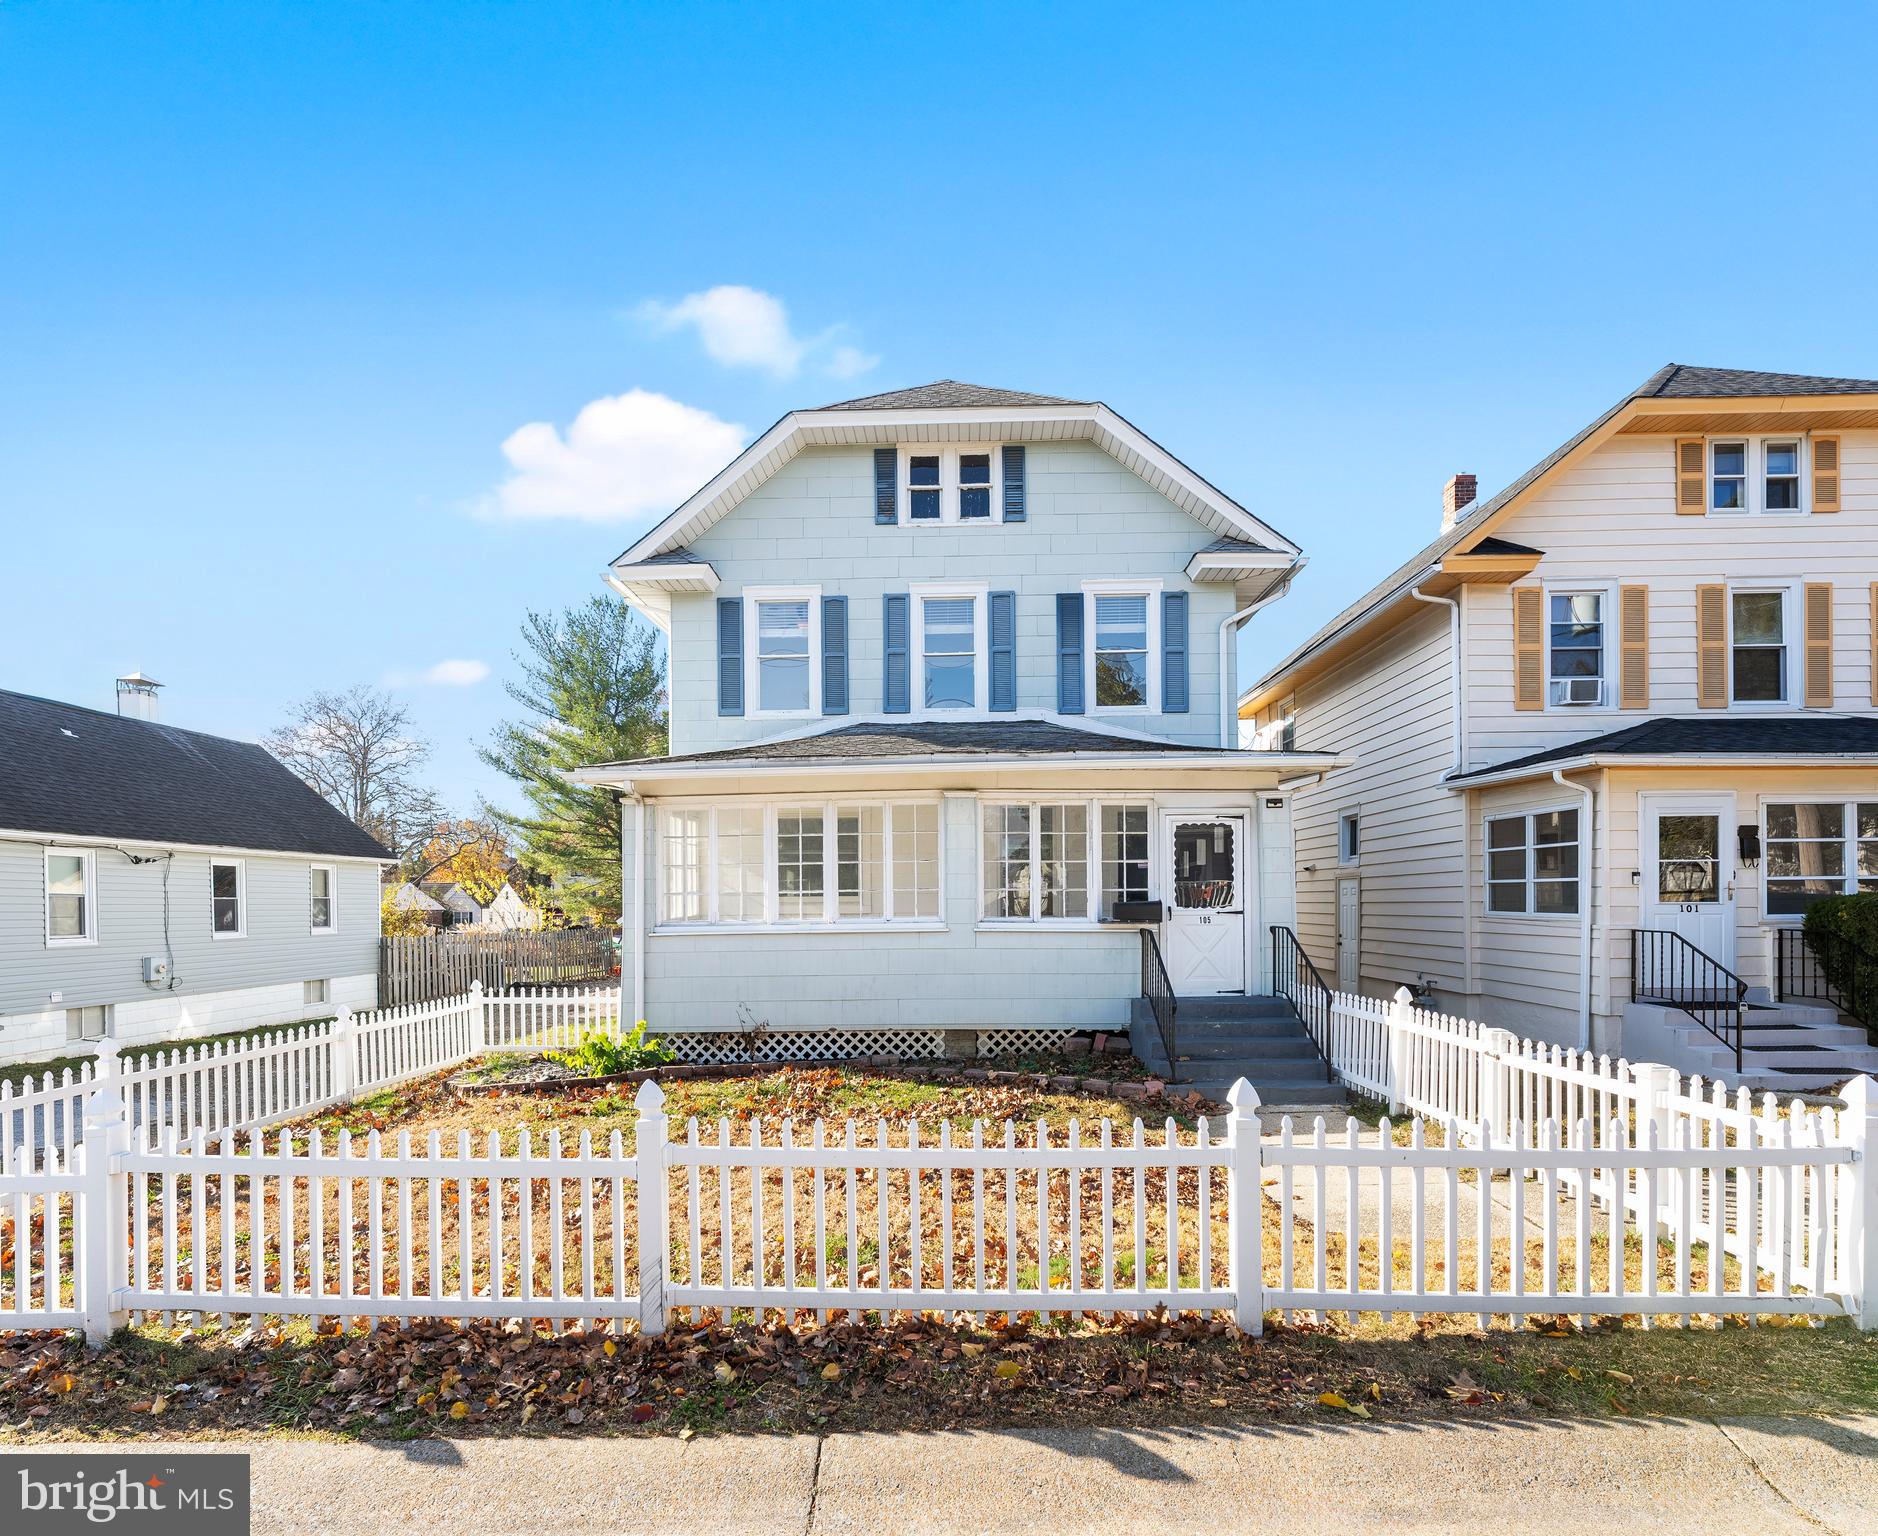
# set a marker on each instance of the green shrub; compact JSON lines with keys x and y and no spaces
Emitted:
{"x":1852,"y":918}
{"x":600,"y":1055}
{"x":1842,"y":932}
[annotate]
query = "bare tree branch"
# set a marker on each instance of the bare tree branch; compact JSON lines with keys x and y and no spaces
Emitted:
{"x":360,"y":750}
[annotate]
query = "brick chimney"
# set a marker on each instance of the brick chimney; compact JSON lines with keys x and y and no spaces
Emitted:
{"x":1456,"y":496}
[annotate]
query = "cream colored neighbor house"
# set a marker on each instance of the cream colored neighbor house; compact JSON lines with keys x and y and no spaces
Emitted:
{"x":1615,"y":728}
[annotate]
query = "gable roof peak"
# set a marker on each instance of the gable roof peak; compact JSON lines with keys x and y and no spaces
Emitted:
{"x":944,"y":394}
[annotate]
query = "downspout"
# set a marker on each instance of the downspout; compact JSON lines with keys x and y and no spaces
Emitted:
{"x":1229,"y":697}
{"x":638,"y":849}
{"x":1457,"y":693}
{"x":1587,"y":886}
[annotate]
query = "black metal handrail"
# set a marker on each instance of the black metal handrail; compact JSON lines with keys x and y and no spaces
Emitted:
{"x":1302,"y":985}
{"x":1827,"y":968}
{"x":1665,"y":968}
{"x":1158,"y":989}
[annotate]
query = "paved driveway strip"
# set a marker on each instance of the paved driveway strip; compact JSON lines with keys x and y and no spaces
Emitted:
{"x":1764,"y":1476}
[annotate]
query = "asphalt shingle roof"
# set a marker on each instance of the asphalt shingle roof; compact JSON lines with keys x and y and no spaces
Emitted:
{"x":1809,"y":736}
{"x":84,"y":773}
{"x":925,"y":738}
{"x":947,"y":392}
{"x":1675,"y":381}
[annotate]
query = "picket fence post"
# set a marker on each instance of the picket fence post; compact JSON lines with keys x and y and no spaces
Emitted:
{"x":1401,"y":1015}
{"x":1491,"y":1101}
{"x":1245,"y":1207}
{"x":478,"y":1019}
{"x":104,"y":1206}
{"x":343,"y":1036}
{"x":654,"y":1235}
{"x":1858,"y":1202}
{"x":1656,"y":1087}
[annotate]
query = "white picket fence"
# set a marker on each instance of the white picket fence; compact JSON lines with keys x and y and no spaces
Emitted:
{"x":1534,"y":1183}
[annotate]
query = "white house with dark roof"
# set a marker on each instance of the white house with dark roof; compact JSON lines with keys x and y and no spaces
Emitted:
{"x":1615,"y":729}
{"x":952,"y":729}
{"x":160,"y":884}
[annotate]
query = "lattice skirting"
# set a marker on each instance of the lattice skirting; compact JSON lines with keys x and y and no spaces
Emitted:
{"x":1013,"y":1042}
{"x":808,"y":1045}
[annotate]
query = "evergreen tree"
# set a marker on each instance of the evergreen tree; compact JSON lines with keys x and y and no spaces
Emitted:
{"x":593,"y":684}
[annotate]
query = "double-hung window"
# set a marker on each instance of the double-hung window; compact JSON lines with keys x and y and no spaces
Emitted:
{"x":1532,"y":863}
{"x":811,"y":863}
{"x":950,"y":648}
{"x":71,"y":907}
{"x":1757,"y":647}
{"x":951,"y":485}
{"x":1123,"y":623}
{"x":1575,"y":644}
{"x":226,"y":891}
{"x":1124,"y":856}
{"x":1756,"y":475}
{"x":1818,"y":848}
{"x":324,"y":917}
{"x":784,"y":659}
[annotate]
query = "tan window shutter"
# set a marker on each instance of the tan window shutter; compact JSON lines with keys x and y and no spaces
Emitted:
{"x":1819,"y":645}
{"x":1692,"y":475}
{"x":1825,"y":474}
{"x":1634,"y":671}
{"x":1528,"y":648}
{"x":1711,"y":647}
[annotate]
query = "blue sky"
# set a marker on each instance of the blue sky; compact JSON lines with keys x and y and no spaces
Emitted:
{"x":277,"y":284}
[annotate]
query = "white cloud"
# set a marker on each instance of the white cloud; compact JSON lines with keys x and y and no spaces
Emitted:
{"x":747,"y":328}
{"x":624,"y":456}
{"x":456,"y":672}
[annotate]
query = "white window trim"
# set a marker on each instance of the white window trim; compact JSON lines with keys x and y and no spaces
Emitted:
{"x":752,"y":654}
{"x":1349,"y":857}
{"x":949,"y":455}
{"x":1094,"y":875}
{"x":332,"y":899}
{"x":830,"y":921}
{"x":90,"y":861}
{"x":1848,"y":843}
{"x":1527,"y":814}
{"x":916,"y":649}
{"x":1756,"y":467}
{"x":1606,"y":594}
{"x":1121,"y":587}
{"x":241,"y":898}
{"x":1795,"y":659}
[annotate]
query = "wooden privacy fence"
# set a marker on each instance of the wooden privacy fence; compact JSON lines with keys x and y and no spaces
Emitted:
{"x":419,"y":967}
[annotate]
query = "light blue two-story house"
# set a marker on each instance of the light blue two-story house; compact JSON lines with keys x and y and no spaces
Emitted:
{"x":952,"y":726}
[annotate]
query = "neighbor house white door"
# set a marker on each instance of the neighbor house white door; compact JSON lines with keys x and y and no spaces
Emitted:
{"x":1349,"y":935}
{"x":1205,"y":928}
{"x":1689,"y":870}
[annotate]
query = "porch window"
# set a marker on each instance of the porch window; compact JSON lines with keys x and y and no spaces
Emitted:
{"x":1124,"y":856}
{"x":750,"y":865}
{"x":1532,"y":863}
{"x":1814,"y":849}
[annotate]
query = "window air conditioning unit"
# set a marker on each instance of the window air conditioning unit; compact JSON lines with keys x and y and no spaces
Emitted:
{"x":1578,"y":690}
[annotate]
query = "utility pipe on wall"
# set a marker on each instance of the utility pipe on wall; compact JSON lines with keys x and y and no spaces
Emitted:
{"x":1457,"y":690}
{"x":1587,"y":894}
{"x":1228,"y":626}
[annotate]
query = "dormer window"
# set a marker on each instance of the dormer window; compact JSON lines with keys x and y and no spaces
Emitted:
{"x":950,"y":485}
{"x":1756,"y":475}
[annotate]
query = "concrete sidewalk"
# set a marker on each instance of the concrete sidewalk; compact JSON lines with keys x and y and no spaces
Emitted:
{"x":1506,"y":1475}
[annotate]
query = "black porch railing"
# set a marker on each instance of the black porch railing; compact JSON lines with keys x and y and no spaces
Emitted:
{"x":1827,"y":968}
{"x":1666,"y":969}
{"x":1159,"y":992}
{"x":1302,"y":985}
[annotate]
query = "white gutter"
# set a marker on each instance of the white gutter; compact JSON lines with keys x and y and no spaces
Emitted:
{"x":1108,"y":762}
{"x":1228,"y":628}
{"x":1455,"y":692}
{"x":1587,"y":896}
{"x":1666,"y":760}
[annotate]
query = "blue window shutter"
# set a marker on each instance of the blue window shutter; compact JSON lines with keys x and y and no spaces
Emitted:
{"x":834,"y":655}
{"x":1004,"y":650}
{"x":1174,"y":653}
{"x":1069,"y":653}
{"x":886,"y":485}
{"x":730,"y":655}
{"x":896,"y":691}
{"x":1014,"y":483}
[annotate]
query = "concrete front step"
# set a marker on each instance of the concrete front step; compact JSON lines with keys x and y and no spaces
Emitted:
{"x":1286,"y":1093}
{"x":1272,"y":1048}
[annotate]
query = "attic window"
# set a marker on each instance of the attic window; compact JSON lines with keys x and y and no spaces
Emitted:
{"x":951,"y":485}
